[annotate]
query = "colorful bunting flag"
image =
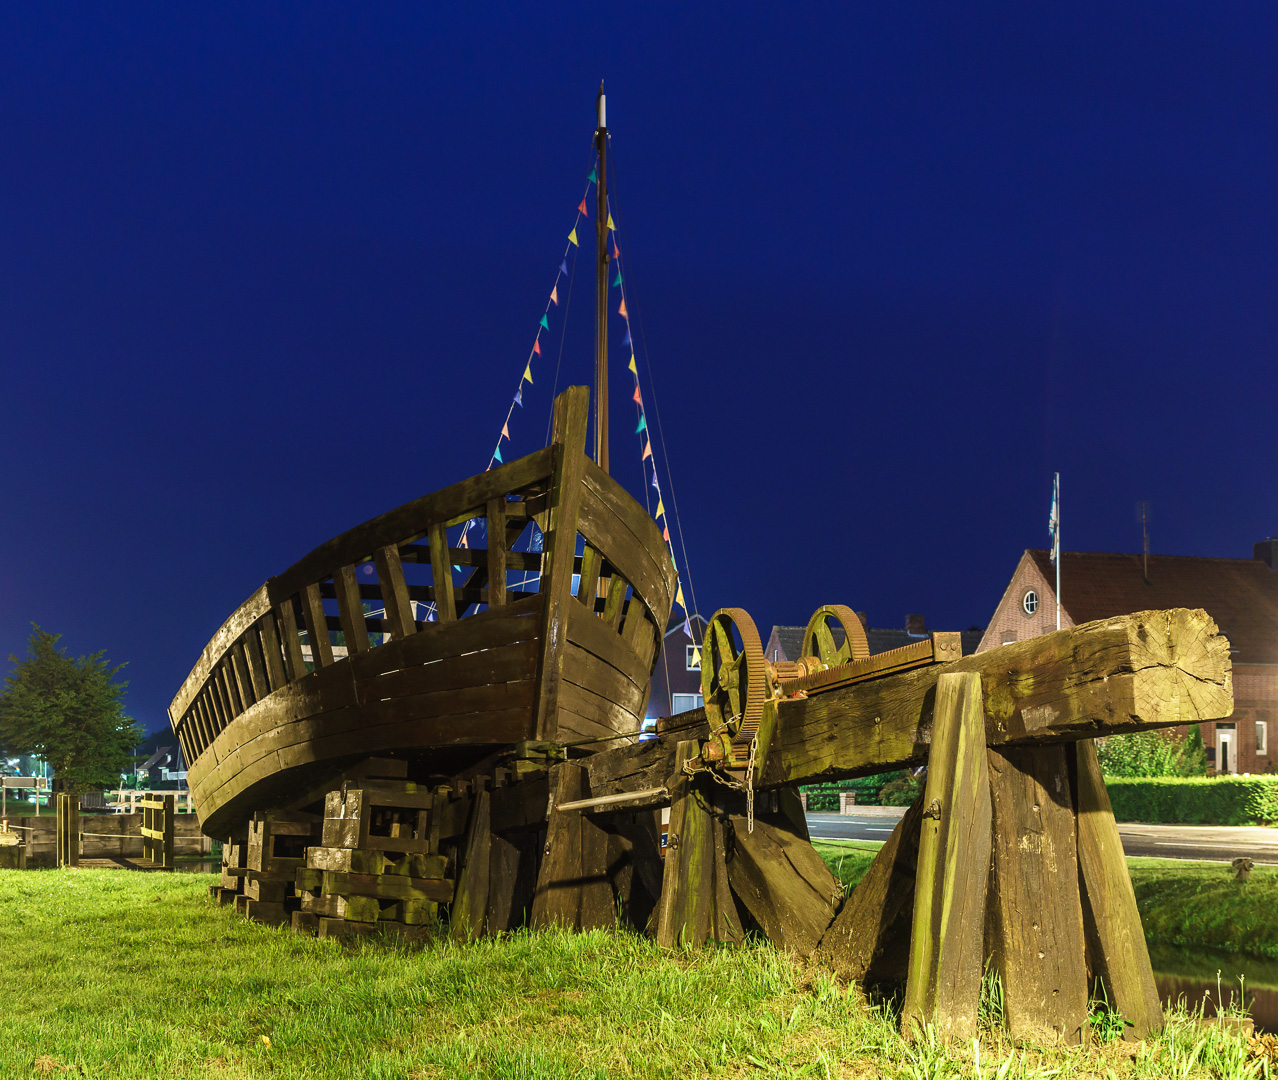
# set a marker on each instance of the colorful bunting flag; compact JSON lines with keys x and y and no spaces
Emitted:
{"x":617,"y":281}
{"x":654,"y":479}
{"x":554,"y":295}
{"x":665,"y":534}
{"x":572,"y":239}
{"x":687,"y":626}
{"x":594,"y":176}
{"x":537,"y":346}
{"x":696,"y":656}
{"x":626,"y":340}
{"x":582,"y":209}
{"x":497,"y":452}
{"x":634,"y":370}
{"x":463,"y":541}
{"x":616,"y":251}
{"x":527,"y":375}
{"x":638,"y":399}
{"x":643,"y":424}
{"x":563,"y":266}
{"x":505,"y":430}
{"x":610,"y":224}
{"x":622,"y":310}
{"x":661,"y":508}
{"x":519,"y":396}
{"x":647,"y":451}
{"x":544,"y":324}
{"x":679,"y":596}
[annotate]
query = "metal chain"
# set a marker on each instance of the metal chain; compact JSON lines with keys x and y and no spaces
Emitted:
{"x":735,"y":785}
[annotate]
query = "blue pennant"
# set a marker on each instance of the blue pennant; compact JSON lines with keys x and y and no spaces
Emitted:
{"x":563,"y":268}
{"x":519,"y":397}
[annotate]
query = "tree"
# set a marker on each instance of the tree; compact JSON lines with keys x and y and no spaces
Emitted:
{"x":68,"y":711}
{"x":1153,"y":753}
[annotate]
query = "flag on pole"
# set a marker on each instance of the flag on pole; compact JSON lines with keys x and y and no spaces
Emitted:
{"x":1054,"y":519}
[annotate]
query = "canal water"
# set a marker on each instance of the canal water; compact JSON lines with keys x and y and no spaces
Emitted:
{"x":1201,"y":977}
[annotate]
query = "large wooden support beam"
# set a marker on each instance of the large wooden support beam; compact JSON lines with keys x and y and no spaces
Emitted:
{"x":947,"y":937}
{"x":574,"y":888}
{"x":1116,"y":940}
{"x":696,"y":903}
{"x":1150,"y":669}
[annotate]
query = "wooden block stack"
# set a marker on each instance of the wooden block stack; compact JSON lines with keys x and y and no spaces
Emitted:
{"x":276,"y":850}
{"x":234,"y":869}
{"x":378,"y":866}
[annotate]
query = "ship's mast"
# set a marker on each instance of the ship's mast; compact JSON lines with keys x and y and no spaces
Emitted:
{"x":601,"y":308}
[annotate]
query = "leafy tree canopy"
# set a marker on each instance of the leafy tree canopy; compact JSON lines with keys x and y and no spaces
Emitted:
{"x":69,"y":712}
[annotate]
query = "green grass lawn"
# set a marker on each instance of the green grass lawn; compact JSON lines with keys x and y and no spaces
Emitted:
{"x":125,"y":975}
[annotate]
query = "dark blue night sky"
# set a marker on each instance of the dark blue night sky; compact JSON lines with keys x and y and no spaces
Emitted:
{"x":266,"y":274}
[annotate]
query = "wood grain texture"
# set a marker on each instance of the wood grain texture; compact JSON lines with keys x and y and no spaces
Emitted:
{"x":573,"y":886}
{"x":782,"y":882}
{"x":1150,"y":669}
{"x":947,"y":935}
{"x":868,"y":941}
{"x":696,"y":900}
{"x":1035,"y":919}
{"x":350,"y":609}
{"x":496,"y":553}
{"x":1110,"y":917}
{"x":470,"y":905}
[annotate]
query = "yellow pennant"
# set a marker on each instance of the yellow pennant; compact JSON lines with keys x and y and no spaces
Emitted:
{"x":632,"y":367}
{"x":528,"y":371}
{"x":679,"y":597}
{"x":572,"y":237}
{"x":661,"y":509}
{"x":610,"y":224}
{"x":696,"y":657}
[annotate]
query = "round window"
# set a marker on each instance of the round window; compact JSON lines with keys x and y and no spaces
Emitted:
{"x":1030,"y":602}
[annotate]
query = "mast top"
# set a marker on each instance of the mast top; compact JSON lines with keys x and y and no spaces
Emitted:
{"x":601,"y":107}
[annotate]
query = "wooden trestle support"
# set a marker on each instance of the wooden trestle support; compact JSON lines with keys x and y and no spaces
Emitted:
{"x":1009,"y":862}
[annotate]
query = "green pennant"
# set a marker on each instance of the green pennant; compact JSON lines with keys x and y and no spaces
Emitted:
{"x":544,"y":325}
{"x":617,"y":283}
{"x":643,"y":424}
{"x":594,"y":176}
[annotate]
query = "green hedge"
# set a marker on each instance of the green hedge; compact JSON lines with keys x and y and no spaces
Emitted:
{"x":867,"y":788}
{"x":1197,"y":800}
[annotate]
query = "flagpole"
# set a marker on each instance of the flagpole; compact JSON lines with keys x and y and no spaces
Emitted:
{"x":601,"y":310}
{"x":1057,"y":500}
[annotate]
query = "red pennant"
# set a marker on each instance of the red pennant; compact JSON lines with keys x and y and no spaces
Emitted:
{"x":647,"y":451}
{"x":554,"y":296}
{"x":616,"y":251}
{"x":582,"y":209}
{"x":665,"y":534}
{"x":537,"y":346}
{"x":622,"y":310}
{"x":637,"y":399}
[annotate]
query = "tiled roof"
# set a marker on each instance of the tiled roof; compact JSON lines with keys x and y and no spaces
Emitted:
{"x":790,"y":639}
{"x":1240,"y":594}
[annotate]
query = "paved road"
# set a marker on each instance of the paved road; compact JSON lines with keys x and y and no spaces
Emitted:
{"x":1216,"y":842}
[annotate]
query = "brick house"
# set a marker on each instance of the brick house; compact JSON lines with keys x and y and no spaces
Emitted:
{"x":786,"y":642}
{"x":1240,"y":594}
{"x":676,"y":684}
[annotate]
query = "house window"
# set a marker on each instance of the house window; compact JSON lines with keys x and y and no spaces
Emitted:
{"x":1029,"y":602}
{"x":1262,"y":737}
{"x":694,"y":658}
{"x":685,"y":702}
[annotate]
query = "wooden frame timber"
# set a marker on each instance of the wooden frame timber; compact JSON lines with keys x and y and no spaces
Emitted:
{"x":303,"y":681}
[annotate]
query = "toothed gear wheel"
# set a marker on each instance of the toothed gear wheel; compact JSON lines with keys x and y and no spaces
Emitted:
{"x":818,"y":638}
{"x":735,"y":681}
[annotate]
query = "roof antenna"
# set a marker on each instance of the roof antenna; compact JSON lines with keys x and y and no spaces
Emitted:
{"x":1142,"y":512}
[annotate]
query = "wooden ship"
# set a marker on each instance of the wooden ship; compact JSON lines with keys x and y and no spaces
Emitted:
{"x":483,"y":771}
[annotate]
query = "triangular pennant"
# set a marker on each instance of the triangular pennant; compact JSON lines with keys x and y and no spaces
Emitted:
{"x":643,"y":424}
{"x":563,"y":266}
{"x":594,"y":176}
{"x":638,"y":400}
{"x":505,"y":430}
{"x":616,"y":283}
{"x":616,"y":251}
{"x":679,"y":597}
{"x":665,"y":534}
{"x":463,"y":542}
{"x":527,"y":374}
{"x":544,"y":324}
{"x":610,"y":224}
{"x":519,"y":396}
{"x":647,"y":451}
{"x":687,"y":629}
{"x":626,"y":340}
{"x":582,"y":209}
{"x":497,"y":452}
{"x":654,"y":480}
{"x":554,"y":295}
{"x":537,"y":346}
{"x":572,"y":238}
{"x":622,"y":310}
{"x":661,"y":508}
{"x":634,"y":370}
{"x":696,"y":656}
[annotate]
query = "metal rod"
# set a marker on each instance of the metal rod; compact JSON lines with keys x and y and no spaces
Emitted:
{"x":654,"y":794}
{"x":601,"y":308}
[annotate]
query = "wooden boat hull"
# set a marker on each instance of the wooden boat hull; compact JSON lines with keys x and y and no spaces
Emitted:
{"x":303,"y":681}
